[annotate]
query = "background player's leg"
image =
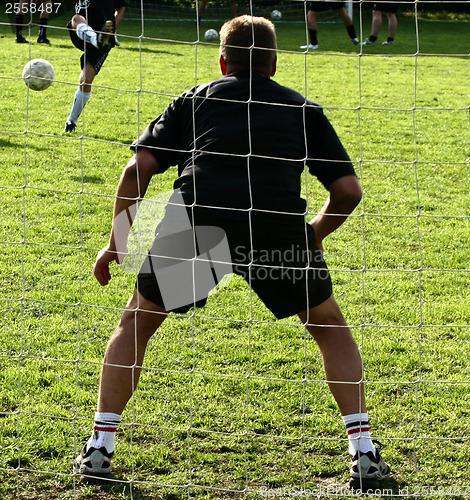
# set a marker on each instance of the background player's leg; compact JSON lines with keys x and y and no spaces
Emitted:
{"x":392,"y":25}
{"x":118,"y":17}
{"x":200,"y":10}
{"x":376,"y":23}
{"x":23,"y":7}
{"x":312,"y":30}
{"x":349,"y":25}
{"x":43,"y":19}
{"x":233,"y":7}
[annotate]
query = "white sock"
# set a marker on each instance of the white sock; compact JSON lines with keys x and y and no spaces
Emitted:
{"x":79,"y":101}
{"x":357,"y":426}
{"x":87,"y":34}
{"x":104,"y":431}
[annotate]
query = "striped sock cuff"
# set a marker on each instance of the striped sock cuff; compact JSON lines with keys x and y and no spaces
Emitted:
{"x":357,"y":427}
{"x":356,"y":423}
{"x":104,"y":427}
{"x":106,"y":422}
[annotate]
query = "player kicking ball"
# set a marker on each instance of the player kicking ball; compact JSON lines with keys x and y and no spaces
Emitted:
{"x":91,"y":31}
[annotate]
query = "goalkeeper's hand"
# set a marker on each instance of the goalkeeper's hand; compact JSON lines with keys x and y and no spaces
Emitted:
{"x":101,"y":265}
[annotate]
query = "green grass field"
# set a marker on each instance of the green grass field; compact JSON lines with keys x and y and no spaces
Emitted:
{"x":233,"y":404}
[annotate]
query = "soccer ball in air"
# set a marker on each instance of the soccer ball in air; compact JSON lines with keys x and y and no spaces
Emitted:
{"x":211,"y":35}
{"x":276,"y":15}
{"x":38,"y":74}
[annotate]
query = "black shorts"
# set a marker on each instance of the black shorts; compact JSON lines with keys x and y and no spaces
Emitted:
{"x":287,"y":271}
{"x":386,"y":7}
{"x":90,"y":53}
{"x":326,"y":5}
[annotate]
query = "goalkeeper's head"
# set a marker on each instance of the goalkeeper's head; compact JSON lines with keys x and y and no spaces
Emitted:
{"x":248,"y":42}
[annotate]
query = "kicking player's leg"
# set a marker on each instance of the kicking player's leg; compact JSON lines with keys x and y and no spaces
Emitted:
{"x":100,"y":40}
{"x":87,"y":75}
{"x":83,"y":30}
{"x":81,"y":97}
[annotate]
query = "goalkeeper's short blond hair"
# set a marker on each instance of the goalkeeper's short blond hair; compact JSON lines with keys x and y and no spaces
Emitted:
{"x":238,"y":48}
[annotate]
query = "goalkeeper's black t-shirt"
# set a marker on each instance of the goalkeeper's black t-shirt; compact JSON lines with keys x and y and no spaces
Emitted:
{"x":242,"y":142}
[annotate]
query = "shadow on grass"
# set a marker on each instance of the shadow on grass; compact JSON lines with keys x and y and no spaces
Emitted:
{"x":92,"y":179}
{"x":20,"y":142}
{"x":9,"y":144}
{"x":150,"y":51}
{"x":390,"y":488}
{"x":134,"y":492}
{"x":39,"y":486}
{"x":33,"y":486}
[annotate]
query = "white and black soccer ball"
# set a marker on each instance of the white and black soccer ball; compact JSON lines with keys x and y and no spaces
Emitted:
{"x":276,"y":15}
{"x":211,"y":35}
{"x":38,"y":74}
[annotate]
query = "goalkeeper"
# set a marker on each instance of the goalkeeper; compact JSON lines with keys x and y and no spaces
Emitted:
{"x":241,"y":144}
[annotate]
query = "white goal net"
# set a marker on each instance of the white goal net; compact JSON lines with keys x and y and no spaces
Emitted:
{"x":232,"y":403}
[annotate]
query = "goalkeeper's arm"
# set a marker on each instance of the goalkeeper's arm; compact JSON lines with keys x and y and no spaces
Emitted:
{"x":345,"y":195}
{"x":131,"y":189}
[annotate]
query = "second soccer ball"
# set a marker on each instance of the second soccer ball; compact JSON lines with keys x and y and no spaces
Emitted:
{"x":211,"y":35}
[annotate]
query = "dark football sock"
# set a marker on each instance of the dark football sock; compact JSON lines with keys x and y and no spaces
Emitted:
{"x":313,"y":37}
{"x":351,"y":31}
{"x":19,"y":25}
{"x":42,"y":26}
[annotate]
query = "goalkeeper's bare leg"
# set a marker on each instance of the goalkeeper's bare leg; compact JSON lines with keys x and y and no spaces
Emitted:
{"x":119,"y":377}
{"x":343,"y":368}
{"x":341,"y":358}
{"x":125,"y":353}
